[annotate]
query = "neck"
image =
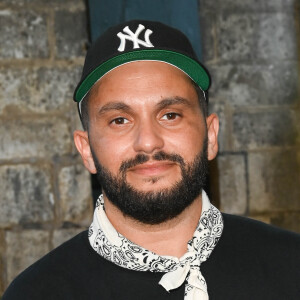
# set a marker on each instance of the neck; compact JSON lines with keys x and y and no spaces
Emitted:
{"x":168,"y":238}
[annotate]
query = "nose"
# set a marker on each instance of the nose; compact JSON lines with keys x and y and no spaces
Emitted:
{"x":148,"y":138}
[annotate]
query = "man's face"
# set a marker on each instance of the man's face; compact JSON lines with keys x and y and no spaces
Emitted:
{"x":146,"y":128}
{"x":154,"y":207}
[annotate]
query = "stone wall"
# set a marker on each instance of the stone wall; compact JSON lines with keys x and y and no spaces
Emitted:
{"x":252,"y":51}
{"x":45,"y":190}
{"x":250,"y":47}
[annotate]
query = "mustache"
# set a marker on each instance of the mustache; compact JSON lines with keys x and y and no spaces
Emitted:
{"x":158,"y":156}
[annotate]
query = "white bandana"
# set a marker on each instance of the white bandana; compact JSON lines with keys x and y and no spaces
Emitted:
{"x":111,"y":245}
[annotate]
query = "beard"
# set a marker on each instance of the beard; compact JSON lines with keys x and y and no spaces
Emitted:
{"x":158,"y":206}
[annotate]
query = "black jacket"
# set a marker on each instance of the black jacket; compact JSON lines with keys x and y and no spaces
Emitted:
{"x":251,"y":261}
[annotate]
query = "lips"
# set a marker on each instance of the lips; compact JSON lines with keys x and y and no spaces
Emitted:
{"x":152,"y":168}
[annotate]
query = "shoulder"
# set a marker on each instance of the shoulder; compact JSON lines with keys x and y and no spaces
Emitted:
{"x":56,"y":271}
{"x":259,"y":244}
{"x":253,"y":258}
{"x":245,"y":230}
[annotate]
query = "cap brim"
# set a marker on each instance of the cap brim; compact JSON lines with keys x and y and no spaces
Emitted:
{"x":188,"y":65}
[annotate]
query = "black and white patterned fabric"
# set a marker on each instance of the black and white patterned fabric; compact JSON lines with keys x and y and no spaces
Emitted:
{"x":113,"y":246}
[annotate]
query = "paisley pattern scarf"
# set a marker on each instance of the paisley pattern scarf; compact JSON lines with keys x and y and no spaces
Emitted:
{"x":111,"y":245}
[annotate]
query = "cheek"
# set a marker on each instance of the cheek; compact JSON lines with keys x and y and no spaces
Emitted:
{"x":110,"y":152}
{"x":188,"y":142}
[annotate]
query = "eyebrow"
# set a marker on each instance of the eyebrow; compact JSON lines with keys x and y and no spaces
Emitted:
{"x":114,"y":106}
{"x":172,"y":101}
{"x":161,"y":105}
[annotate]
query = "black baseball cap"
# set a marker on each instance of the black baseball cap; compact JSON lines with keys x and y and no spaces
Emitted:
{"x":139,"y":40}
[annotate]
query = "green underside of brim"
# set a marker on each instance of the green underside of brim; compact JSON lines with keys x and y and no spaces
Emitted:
{"x":186,"y":64}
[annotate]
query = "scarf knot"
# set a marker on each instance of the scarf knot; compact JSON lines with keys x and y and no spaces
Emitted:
{"x":188,"y":270}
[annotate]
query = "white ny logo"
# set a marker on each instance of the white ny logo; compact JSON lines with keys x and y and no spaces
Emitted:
{"x":134,"y":37}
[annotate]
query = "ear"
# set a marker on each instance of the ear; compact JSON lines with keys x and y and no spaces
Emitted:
{"x":82,"y":144}
{"x":212,"y":122}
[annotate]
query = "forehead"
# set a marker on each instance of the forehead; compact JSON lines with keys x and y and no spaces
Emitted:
{"x":141,"y":81}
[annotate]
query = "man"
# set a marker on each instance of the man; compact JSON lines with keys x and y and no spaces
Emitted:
{"x":147,"y":135}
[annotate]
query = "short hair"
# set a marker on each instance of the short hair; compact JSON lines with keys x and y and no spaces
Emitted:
{"x":84,"y":113}
{"x":202,"y":98}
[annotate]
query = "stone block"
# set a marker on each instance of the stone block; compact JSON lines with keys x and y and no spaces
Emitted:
{"x":232,"y":183}
{"x":23,"y":34}
{"x":205,"y":5}
{"x":62,"y":235}
{"x":25,"y":138}
{"x":280,"y":5}
{"x":274,"y":181}
{"x":23,"y":249}
{"x":235,"y":36}
{"x":71,"y":34}
{"x":263,"y":129}
{"x":244,"y":6}
{"x":47,"y":2}
{"x":247,"y":6}
{"x":260,"y":84}
{"x":265,"y":36}
{"x":208,"y":35}
{"x":41,"y":90}
{"x":289,"y":221}
{"x":276,"y":37}
{"x":26,"y":195}
{"x":75,"y":194}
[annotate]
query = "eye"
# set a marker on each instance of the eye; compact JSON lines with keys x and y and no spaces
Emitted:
{"x":119,"y":121}
{"x":170,"y":116}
